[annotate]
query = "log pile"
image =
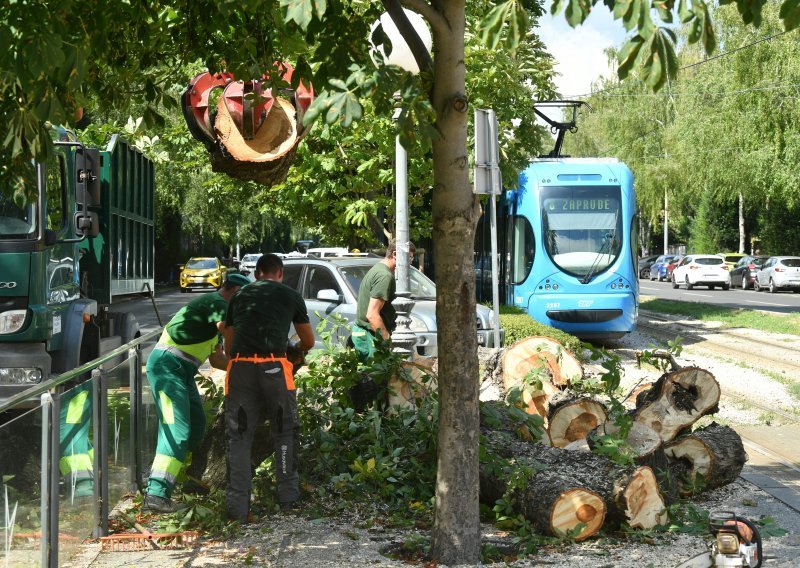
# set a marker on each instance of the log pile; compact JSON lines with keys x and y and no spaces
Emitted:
{"x":575,"y":491}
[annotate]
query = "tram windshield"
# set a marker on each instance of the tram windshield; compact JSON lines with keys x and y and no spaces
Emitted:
{"x":582,"y":228}
{"x":16,"y":221}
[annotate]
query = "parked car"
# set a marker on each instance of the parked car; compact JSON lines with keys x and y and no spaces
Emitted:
{"x":325,"y":252}
{"x":731,"y":258}
{"x":779,"y":272}
{"x":248,"y":264}
{"x":666,"y":268}
{"x":702,"y":270}
{"x":202,"y":272}
{"x":743,"y":274}
{"x":656,"y":266}
{"x":644,"y":266}
{"x":330,"y":287}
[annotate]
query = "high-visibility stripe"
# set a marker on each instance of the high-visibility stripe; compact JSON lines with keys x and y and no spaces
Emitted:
{"x":75,"y":408}
{"x":285,"y":363}
{"x":167,"y":411}
{"x":166,"y":467}
{"x":80,"y":464}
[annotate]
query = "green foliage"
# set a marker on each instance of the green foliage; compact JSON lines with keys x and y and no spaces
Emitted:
{"x":768,"y":528}
{"x":519,"y":325}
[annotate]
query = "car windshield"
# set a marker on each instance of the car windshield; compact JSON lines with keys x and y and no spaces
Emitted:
{"x":421,"y":287}
{"x":16,"y":221}
{"x":251,"y":258}
{"x":710,"y":261}
{"x":200,"y":263}
{"x":791,"y":262}
{"x":732,"y":257}
{"x":582,"y":228}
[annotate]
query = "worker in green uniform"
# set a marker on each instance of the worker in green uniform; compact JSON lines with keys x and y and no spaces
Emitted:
{"x":375,"y":315}
{"x":260,"y":382}
{"x":188,"y":339}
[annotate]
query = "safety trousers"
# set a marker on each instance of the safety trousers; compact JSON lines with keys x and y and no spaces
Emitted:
{"x":77,"y":456}
{"x":259,"y":388}
{"x":181,"y":419}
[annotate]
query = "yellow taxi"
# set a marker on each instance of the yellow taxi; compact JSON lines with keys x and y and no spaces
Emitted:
{"x":202,"y":272}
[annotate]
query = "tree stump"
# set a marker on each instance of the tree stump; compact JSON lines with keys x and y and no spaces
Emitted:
{"x":715,"y":456}
{"x":645,"y":442}
{"x":572,"y":419}
{"x":677,"y":400}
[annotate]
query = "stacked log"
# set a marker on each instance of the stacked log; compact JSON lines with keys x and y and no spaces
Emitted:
{"x":578,"y":491}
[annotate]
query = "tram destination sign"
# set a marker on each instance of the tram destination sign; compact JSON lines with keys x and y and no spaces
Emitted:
{"x":569,"y":204}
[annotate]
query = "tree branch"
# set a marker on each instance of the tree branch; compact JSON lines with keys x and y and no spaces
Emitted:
{"x":435,"y":19}
{"x":421,"y":55}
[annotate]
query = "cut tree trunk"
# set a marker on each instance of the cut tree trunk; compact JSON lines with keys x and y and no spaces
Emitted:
{"x":575,"y":493}
{"x":677,"y":400}
{"x":540,"y":354}
{"x":419,"y":382}
{"x":714,"y":455}
{"x":644,"y":441}
{"x":572,"y":419}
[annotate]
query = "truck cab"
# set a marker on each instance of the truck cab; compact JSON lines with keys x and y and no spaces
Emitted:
{"x":72,"y":238}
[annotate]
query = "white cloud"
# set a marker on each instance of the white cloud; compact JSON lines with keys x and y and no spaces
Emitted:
{"x":578,"y":52}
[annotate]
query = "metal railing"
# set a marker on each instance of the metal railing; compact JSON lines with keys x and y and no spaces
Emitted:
{"x":98,"y":434}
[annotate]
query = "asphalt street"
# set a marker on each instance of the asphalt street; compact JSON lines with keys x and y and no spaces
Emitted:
{"x":780,"y":302}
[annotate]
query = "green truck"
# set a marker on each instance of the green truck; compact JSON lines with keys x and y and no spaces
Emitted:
{"x":83,"y":237}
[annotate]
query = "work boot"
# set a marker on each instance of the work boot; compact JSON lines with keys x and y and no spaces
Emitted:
{"x":162,"y":505}
{"x":290,"y":506}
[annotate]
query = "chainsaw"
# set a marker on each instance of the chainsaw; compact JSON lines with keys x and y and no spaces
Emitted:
{"x":736,"y":544}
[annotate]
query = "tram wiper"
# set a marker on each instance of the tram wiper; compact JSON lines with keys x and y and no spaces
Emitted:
{"x":609,"y":238}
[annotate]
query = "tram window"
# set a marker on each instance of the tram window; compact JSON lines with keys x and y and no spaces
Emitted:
{"x":522,"y":260}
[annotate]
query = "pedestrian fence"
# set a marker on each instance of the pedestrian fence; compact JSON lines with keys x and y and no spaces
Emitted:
{"x":70,"y":448}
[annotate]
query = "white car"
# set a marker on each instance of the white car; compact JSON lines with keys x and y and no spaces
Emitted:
{"x":779,"y":273}
{"x":702,"y":270}
{"x":248,"y":264}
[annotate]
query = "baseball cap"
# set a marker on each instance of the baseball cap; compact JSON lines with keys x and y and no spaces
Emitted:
{"x":237,"y":279}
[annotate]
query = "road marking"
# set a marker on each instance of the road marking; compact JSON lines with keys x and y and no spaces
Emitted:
{"x":654,"y":289}
{"x":767,"y":303}
{"x":701,"y":295}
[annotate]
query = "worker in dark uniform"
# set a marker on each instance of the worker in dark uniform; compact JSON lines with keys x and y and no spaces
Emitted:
{"x":260,"y":382}
{"x":375,"y":315}
{"x":189,"y":338}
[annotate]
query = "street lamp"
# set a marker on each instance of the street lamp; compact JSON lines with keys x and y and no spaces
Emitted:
{"x":403,"y":338}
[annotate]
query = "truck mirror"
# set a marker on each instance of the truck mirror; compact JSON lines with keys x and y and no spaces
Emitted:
{"x":87,"y":169}
{"x":87,"y":224}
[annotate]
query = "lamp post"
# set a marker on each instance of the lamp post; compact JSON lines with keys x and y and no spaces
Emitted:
{"x":403,"y":338}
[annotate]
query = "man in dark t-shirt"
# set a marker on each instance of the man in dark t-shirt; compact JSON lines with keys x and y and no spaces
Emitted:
{"x":260,"y":383}
{"x":375,"y":315}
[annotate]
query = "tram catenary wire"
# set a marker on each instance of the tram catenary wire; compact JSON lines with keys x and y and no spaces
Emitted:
{"x":695,"y":64}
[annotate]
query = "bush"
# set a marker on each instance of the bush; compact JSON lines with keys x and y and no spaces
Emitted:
{"x":519,"y":325}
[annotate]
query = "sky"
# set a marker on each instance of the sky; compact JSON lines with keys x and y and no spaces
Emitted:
{"x":579,"y":52}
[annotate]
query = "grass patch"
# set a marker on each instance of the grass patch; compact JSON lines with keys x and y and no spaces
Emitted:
{"x":730,"y":317}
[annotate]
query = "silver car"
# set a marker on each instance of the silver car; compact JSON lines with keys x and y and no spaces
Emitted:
{"x":330,"y":287}
{"x":779,"y":273}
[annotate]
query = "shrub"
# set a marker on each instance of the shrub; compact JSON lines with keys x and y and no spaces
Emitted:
{"x":519,"y":325}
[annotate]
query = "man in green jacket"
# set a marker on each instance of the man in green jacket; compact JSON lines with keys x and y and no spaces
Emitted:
{"x":189,"y":338}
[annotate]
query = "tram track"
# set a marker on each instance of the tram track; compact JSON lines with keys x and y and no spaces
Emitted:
{"x":773,"y":355}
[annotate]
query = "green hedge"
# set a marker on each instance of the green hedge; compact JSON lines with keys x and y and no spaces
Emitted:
{"x":519,"y":325}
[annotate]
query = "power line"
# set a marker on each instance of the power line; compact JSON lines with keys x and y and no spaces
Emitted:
{"x":697,"y":63}
{"x":768,"y":87}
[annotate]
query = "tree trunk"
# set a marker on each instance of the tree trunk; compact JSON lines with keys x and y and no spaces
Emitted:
{"x":576,"y":493}
{"x":572,"y":419}
{"x":540,"y":354}
{"x":742,"y":240}
{"x":715,"y":457}
{"x":456,"y":528}
{"x":677,"y":400}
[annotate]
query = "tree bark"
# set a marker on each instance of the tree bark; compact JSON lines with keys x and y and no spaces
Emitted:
{"x":456,"y":528}
{"x":677,"y":400}
{"x":577,"y":492}
{"x":714,"y":455}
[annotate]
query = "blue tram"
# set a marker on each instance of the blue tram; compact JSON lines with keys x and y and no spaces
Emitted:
{"x":568,"y":246}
